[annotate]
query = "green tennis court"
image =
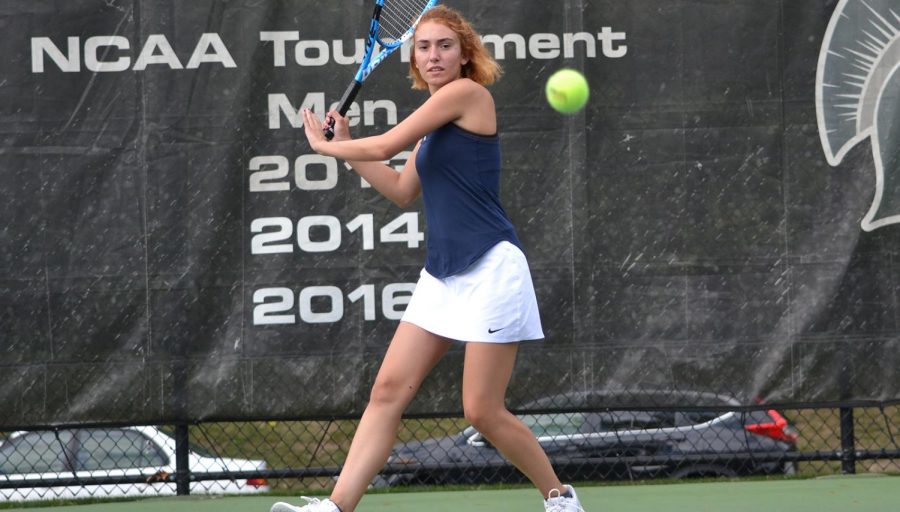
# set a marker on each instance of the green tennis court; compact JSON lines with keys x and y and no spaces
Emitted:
{"x":864,"y":493}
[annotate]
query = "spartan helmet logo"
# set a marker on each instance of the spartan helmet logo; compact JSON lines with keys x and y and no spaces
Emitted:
{"x":858,"y":95}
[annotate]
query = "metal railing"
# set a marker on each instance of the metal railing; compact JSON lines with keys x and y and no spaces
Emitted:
{"x":306,"y":456}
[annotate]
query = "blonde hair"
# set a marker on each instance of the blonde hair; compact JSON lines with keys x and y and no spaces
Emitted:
{"x":481,"y":66}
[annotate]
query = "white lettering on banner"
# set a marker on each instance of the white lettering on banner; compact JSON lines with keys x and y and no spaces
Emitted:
{"x":96,"y":57}
{"x":312,"y":52}
{"x":92,"y":47}
{"x":104,"y":53}
{"x":276,"y":235}
{"x":278,"y":40}
{"x":69,"y":62}
{"x":550,"y":46}
{"x":542,"y":46}
{"x":219,"y":52}
{"x":276,"y":306}
{"x":280,"y":105}
{"x":271,"y":173}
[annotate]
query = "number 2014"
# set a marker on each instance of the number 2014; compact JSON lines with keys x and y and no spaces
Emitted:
{"x":271,"y":233}
{"x":277,"y":306}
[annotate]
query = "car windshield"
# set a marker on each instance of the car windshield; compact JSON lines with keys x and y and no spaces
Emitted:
{"x":563,"y":424}
{"x":37,"y":452}
{"x":632,"y":420}
{"x":696,"y":417}
{"x":117,"y":449}
{"x":554,"y":424}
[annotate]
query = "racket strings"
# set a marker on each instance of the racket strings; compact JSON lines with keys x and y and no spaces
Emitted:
{"x":398,"y":16}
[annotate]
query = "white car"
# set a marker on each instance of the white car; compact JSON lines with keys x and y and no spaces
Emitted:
{"x":110,"y":453}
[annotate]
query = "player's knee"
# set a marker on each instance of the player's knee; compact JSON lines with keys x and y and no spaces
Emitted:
{"x":390,"y":392}
{"x":483,"y":416}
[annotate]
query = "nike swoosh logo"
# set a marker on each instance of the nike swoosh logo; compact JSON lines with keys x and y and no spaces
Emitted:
{"x":492,"y":331}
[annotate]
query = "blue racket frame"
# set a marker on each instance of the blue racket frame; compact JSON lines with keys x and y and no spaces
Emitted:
{"x":369,"y":63}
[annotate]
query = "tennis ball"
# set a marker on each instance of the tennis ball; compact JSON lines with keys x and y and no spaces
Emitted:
{"x":567,"y":91}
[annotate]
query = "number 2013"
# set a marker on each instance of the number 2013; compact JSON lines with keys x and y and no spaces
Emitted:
{"x":271,"y":173}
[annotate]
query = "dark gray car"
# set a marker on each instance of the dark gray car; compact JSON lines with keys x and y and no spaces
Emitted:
{"x":612,"y":444}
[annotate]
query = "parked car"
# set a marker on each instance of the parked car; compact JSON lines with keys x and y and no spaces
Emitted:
{"x":110,"y":452}
{"x":602,"y":444}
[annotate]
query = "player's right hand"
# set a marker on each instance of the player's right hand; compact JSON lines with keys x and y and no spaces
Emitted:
{"x":341,"y":125}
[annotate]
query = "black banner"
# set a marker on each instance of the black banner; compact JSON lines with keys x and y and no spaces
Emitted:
{"x":720,"y":218}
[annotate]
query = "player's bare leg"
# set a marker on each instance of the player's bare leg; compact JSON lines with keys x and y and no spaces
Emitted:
{"x":412,"y":354}
{"x":488,"y":368}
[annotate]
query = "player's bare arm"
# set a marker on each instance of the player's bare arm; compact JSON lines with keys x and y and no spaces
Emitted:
{"x":400,"y":188}
{"x":462,"y":101}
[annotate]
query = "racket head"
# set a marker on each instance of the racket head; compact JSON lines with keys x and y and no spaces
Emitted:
{"x":398,"y":19}
{"x":393,"y":23}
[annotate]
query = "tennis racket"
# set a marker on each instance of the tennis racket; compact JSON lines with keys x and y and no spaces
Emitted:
{"x":393,"y":23}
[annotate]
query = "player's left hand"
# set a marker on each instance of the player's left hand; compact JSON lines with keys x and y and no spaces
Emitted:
{"x":312,"y":125}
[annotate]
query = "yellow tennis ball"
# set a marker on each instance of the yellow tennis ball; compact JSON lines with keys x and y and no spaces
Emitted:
{"x":567,"y":91}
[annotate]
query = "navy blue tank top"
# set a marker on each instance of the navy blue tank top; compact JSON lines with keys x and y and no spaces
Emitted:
{"x":460,"y":175}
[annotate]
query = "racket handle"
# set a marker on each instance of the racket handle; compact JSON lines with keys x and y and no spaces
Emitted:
{"x":344,"y":106}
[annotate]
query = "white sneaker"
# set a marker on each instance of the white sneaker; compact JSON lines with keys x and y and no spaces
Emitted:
{"x":556,"y":502}
{"x":312,"y":505}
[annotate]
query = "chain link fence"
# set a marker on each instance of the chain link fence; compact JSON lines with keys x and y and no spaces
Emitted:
{"x":584,"y":445}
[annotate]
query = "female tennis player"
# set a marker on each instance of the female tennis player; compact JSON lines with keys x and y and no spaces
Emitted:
{"x":476,"y":286}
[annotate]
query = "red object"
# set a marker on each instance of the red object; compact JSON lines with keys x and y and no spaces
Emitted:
{"x":257,"y":482}
{"x":778,"y":429}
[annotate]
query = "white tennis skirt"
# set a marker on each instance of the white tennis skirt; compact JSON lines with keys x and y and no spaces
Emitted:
{"x":492,"y":301}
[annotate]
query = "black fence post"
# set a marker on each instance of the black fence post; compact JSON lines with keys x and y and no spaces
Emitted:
{"x":182,"y":461}
{"x":848,"y":442}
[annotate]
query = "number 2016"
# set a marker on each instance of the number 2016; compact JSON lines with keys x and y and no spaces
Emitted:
{"x":276,"y":306}
{"x":272,"y":232}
